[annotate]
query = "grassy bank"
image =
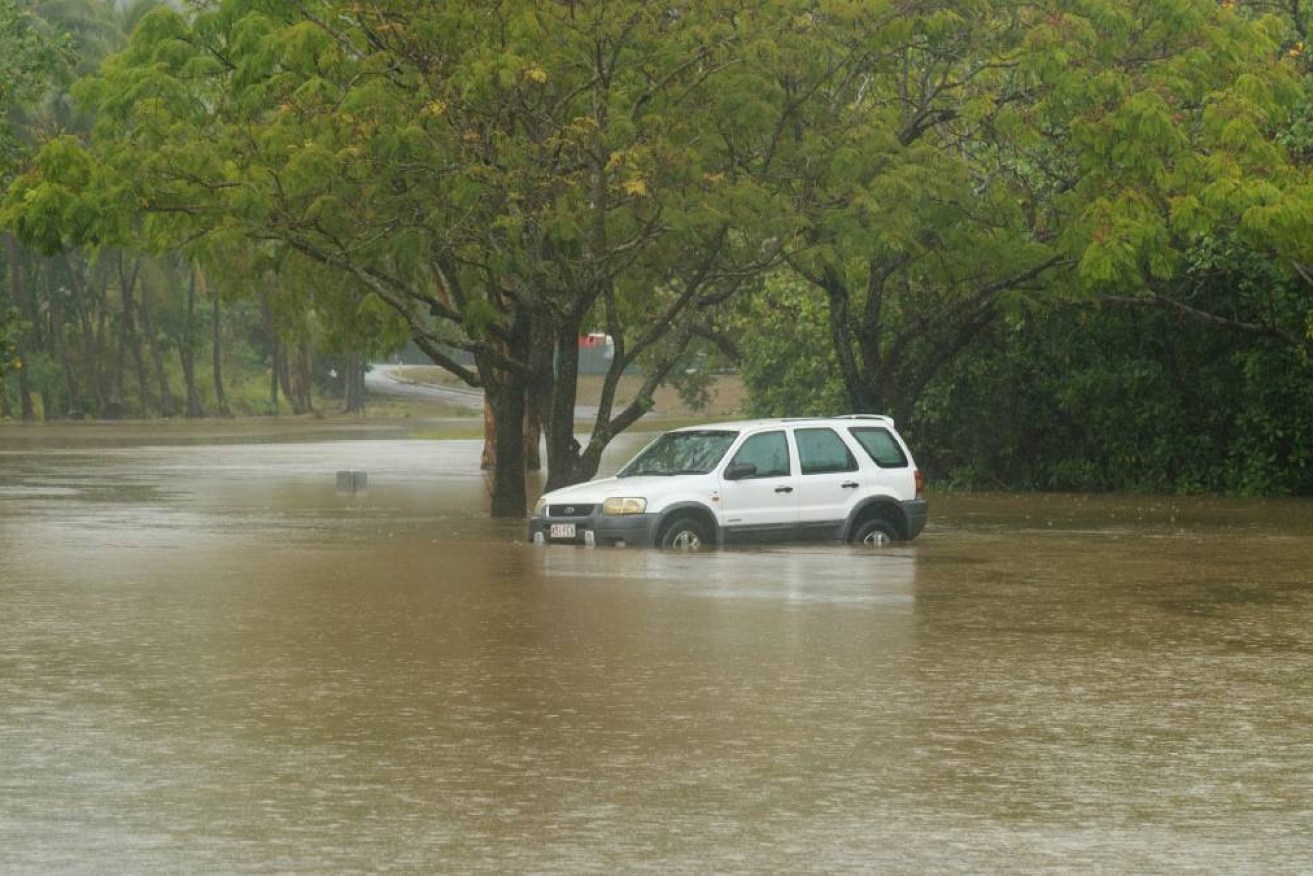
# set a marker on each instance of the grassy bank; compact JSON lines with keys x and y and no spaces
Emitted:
{"x":413,"y":417}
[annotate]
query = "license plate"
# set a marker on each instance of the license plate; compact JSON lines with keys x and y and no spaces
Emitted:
{"x":562,"y":530}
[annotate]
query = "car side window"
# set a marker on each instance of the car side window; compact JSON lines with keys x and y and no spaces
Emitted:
{"x":822,"y":450}
{"x":880,"y":445}
{"x":769,"y":452}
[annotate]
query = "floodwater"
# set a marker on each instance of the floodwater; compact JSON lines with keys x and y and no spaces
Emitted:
{"x":211,"y":660}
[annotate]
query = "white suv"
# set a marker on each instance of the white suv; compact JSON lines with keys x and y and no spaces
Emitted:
{"x":845,"y":478}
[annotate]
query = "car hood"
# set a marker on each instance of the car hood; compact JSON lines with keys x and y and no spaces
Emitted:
{"x":598,"y":491}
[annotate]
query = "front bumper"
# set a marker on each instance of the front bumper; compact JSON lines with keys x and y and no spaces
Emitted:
{"x":597,"y":528}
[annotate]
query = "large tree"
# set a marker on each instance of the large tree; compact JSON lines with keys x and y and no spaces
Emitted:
{"x":75,"y":333}
{"x":30,"y":58}
{"x":950,"y":158}
{"x":506,"y":176}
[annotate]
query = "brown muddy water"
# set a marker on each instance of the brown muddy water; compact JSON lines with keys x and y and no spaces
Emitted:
{"x":211,"y":660}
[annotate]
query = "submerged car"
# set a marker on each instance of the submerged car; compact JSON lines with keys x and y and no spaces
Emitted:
{"x":848,"y":478}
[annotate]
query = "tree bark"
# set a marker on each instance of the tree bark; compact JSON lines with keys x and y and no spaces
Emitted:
{"x":504,"y":374}
{"x":187,"y":352}
{"x":166,"y":407}
{"x":562,"y":446}
{"x":303,"y":401}
{"x":285,"y":378}
{"x":57,"y":405}
{"x":488,"y":458}
{"x":216,"y":344}
{"x":533,"y":433}
{"x":26,"y":409}
{"x":90,"y":347}
{"x":72,"y":401}
{"x":506,"y":401}
{"x":128,"y":342}
{"x":133,"y":336}
{"x":353,"y":383}
{"x":19,"y":291}
{"x":274,"y":348}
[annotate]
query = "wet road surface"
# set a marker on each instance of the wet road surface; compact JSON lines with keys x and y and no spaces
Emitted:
{"x":390,"y":379}
{"x":211,"y":660}
{"x":386,"y":378}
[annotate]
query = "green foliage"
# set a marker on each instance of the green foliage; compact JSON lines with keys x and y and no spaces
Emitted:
{"x":1130,"y":399}
{"x":960,"y":169}
{"x":10,"y":328}
{"x":1165,"y":123}
{"x":932,"y":186}
{"x":30,"y":60}
{"x":788,"y":363}
{"x":498,"y":176}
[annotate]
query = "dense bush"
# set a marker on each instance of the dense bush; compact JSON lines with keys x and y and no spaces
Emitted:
{"x":1114,"y":399}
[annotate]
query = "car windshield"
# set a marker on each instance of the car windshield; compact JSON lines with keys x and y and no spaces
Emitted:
{"x":676,"y":453}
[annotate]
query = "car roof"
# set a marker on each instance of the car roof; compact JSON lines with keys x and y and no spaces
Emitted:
{"x":777,"y":422}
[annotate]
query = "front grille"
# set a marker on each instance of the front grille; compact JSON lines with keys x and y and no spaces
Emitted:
{"x":570,"y":510}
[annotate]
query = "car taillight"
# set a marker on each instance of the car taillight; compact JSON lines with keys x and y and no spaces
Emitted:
{"x":920,"y":481}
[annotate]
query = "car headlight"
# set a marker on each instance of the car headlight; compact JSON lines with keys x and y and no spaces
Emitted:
{"x":624,"y":505}
{"x":540,"y":507}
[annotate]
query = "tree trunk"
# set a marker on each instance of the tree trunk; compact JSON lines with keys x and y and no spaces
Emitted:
{"x":533,"y":434}
{"x":506,"y":402}
{"x":505,"y":390}
{"x":267,"y":315}
{"x":109,"y":399}
{"x":131,"y":335}
{"x":285,"y":378}
{"x":302,"y":401}
{"x":187,"y":352}
{"x":216,"y":344}
{"x":19,"y":291}
{"x":90,"y":370}
{"x":488,"y":460}
{"x":562,"y":446}
{"x":273,"y":371}
{"x":72,"y":407}
{"x":353,"y":383}
{"x":156,"y":354}
{"x":27,"y":411}
{"x":128,"y":341}
{"x":58,"y":405}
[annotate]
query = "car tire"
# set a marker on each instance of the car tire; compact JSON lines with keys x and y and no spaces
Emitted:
{"x":876,"y":532}
{"x":685,"y":534}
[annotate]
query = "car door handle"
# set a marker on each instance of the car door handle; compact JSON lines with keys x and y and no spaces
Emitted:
{"x":850,"y":485}
{"x":784,"y":489}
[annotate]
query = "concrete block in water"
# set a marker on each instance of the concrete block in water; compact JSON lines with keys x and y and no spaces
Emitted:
{"x":352,"y":481}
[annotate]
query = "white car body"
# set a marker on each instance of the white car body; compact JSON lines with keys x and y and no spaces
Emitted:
{"x":834,"y":478}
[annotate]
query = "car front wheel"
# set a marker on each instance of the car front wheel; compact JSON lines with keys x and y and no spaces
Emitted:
{"x":874,"y":533}
{"x":685,"y":534}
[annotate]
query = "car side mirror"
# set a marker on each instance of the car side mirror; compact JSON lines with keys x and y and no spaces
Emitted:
{"x":739,"y":470}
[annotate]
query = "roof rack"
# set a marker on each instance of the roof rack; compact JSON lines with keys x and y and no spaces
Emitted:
{"x":881,"y":417}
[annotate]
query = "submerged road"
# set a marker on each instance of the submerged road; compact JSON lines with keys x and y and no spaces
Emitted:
{"x":388,"y":379}
{"x":213,"y":661}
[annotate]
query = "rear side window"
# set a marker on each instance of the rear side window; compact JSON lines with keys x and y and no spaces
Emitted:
{"x":769,"y":452}
{"x":881,"y":446}
{"x":821,"y":451}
